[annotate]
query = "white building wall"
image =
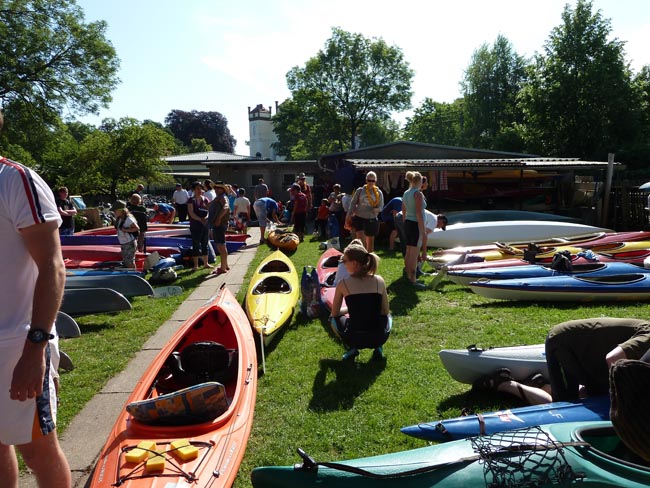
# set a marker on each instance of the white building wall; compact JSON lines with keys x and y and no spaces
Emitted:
{"x":261,"y":134}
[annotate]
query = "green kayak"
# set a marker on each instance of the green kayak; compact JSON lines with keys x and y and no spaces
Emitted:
{"x":581,"y":454}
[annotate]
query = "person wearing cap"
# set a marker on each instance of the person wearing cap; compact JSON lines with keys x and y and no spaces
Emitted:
{"x":165,"y":213}
{"x":299,"y":212}
{"x":388,"y":213}
{"x":179,"y":199}
{"x":367,"y":203}
{"x":127,"y":232}
{"x":139,"y":211}
{"x":218,"y":218}
{"x":413,"y":207}
{"x":301,"y":181}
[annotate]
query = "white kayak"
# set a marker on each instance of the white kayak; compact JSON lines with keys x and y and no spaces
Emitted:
{"x":468,"y":365}
{"x":476,"y":233}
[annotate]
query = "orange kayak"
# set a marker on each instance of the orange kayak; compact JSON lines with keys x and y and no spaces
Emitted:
{"x":194,"y":407}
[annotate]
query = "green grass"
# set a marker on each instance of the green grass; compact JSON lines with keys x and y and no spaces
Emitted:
{"x":308,"y":398}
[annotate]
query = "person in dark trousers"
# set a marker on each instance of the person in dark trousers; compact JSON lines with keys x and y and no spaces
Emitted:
{"x":66,"y":211}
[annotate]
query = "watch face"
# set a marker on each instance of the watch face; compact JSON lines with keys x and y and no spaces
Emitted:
{"x":39,"y":335}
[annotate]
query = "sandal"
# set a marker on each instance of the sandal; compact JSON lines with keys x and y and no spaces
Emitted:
{"x":490,"y":382}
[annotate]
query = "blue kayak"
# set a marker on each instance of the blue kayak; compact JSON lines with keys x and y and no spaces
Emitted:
{"x":590,"y":409}
{"x":464,"y":277}
{"x":613,"y":288}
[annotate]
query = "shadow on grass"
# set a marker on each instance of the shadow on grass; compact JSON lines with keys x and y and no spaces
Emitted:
{"x":350,"y":380}
{"x":528,"y":304}
{"x":405,"y":297}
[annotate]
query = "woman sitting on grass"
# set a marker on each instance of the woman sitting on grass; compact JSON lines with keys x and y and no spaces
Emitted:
{"x":368,"y":324}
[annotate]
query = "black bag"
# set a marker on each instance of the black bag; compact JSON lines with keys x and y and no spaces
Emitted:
{"x":562,"y":261}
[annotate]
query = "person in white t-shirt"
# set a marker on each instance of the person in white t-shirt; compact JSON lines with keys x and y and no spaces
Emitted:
{"x":179,"y":199}
{"x":242,"y":210}
{"x":29,"y":301}
{"x":209,"y":191}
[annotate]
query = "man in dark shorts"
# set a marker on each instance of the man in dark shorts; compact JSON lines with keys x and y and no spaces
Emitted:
{"x":299,"y":214}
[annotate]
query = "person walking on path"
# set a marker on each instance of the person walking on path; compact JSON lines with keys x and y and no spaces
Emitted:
{"x":30,"y":300}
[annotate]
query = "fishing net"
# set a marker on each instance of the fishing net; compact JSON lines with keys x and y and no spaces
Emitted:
{"x":524,"y":458}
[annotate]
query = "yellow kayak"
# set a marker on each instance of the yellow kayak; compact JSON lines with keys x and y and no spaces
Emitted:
{"x":272,"y":294}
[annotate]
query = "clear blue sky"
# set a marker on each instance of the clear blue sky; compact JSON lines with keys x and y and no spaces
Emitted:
{"x":224,"y":56}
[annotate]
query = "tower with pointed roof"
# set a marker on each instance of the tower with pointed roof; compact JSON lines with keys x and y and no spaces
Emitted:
{"x":261,"y":133}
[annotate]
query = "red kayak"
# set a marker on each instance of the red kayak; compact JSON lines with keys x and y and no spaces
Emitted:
{"x":326,"y":269}
{"x":187,"y":421}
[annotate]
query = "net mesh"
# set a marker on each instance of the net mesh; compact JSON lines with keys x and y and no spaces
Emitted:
{"x":523,"y":458}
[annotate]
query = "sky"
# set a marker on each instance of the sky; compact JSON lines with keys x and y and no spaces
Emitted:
{"x":227,"y":56}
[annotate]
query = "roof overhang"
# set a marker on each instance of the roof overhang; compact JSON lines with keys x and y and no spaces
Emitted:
{"x":548,"y":164}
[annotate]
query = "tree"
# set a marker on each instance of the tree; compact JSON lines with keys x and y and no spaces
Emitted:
{"x":436,"y":123}
{"x":50,"y":59}
{"x":350,"y":82}
{"x":491,"y":84}
{"x":210,"y":126}
{"x":579,"y":96}
{"x":375,"y":132}
{"x":122,"y":152}
{"x":199,"y":146}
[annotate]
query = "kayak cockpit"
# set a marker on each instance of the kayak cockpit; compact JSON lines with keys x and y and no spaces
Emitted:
{"x":606,"y":444}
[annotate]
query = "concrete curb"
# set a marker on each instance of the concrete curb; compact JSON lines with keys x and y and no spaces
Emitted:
{"x":85,"y":436}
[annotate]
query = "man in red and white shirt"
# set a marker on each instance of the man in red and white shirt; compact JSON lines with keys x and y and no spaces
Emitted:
{"x":29,"y":301}
{"x":299,"y":213}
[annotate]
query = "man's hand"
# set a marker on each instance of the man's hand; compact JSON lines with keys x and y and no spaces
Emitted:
{"x":27,"y":380}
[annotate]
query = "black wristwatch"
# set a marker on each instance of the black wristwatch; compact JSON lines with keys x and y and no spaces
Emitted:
{"x":38,"y":336}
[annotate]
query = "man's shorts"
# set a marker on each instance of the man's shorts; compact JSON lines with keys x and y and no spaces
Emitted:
{"x":299,"y":221}
{"x":24,"y":422}
{"x":260,"y":211}
{"x":219,"y":235}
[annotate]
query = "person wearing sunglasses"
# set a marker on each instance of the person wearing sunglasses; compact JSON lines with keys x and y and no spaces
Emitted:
{"x":368,"y":322}
{"x":367,"y":203}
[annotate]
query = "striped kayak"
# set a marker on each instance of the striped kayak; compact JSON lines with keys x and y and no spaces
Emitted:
{"x":272,"y":295}
{"x":468,"y":365}
{"x":611,"y":288}
{"x":465,"y":277}
{"x":195,"y":401}
{"x":581,"y":454}
{"x":129,"y":285}
{"x":589,"y":409}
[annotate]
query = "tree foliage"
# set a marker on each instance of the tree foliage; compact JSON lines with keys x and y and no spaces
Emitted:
{"x":51,"y":60}
{"x":122,"y":152}
{"x":351,"y":82}
{"x":436,"y":123}
{"x":579,"y":100}
{"x":490,"y":86}
{"x":209,"y":126}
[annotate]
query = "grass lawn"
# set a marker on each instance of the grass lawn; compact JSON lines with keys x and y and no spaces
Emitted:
{"x":308,"y":397}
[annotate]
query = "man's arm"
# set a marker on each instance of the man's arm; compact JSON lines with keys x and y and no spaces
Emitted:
{"x":42,"y":242}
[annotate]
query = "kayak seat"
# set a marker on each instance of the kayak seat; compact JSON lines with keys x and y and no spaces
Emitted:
{"x":275,"y":267}
{"x":272,"y":284}
{"x":201,"y":362}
